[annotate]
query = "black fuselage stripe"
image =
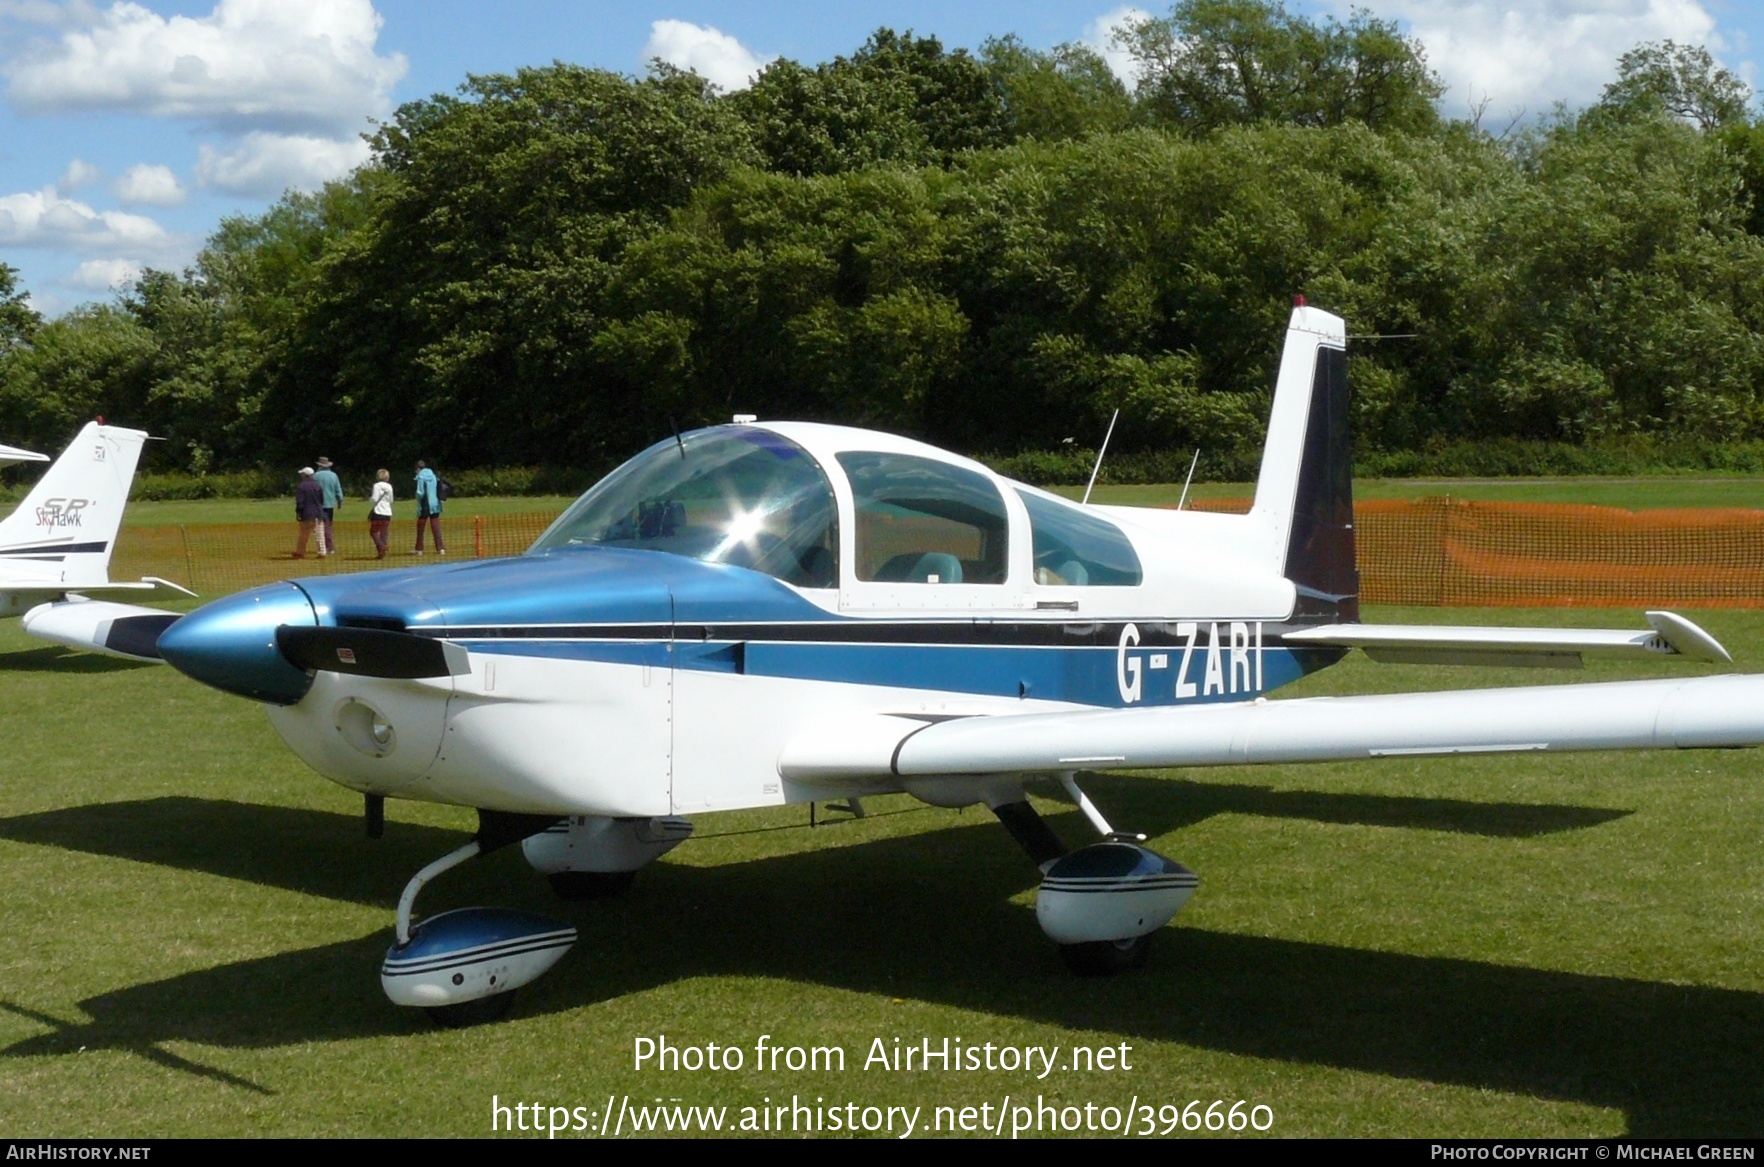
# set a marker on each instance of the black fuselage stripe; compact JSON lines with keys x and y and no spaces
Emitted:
{"x":1066,"y":634}
{"x":55,"y":549}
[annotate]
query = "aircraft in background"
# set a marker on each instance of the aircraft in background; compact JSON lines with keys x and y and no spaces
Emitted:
{"x":56,"y":546}
{"x":754,"y":615}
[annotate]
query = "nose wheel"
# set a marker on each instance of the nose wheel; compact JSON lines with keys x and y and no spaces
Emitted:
{"x":463,"y":967}
{"x":1105,"y":958}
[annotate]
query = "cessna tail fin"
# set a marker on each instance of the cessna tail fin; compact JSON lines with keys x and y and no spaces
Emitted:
{"x":64,"y":530}
{"x":1305,"y":491}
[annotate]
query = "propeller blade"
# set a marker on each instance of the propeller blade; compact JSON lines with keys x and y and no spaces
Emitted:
{"x":370,"y":652}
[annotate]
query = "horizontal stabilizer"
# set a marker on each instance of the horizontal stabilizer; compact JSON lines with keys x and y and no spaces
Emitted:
{"x":1692,"y":713}
{"x":147,"y":583}
{"x":9,"y":455}
{"x":100,"y":626}
{"x":1421,"y":644}
{"x":371,"y":652}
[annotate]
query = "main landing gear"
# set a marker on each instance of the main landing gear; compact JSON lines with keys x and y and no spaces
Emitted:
{"x":1100,"y":903}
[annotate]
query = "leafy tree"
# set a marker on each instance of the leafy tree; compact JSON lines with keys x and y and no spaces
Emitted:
{"x":1066,"y":93}
{"x":899,"y":99}
{"x":1214,"y":63}
{"x":1681,"y":81}
{"x":457,"y":321}
{"x":18,"y":320}
{"x":92,"y":361}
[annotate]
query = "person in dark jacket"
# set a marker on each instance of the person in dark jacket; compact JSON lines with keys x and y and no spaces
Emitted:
{"x":309,"y":508}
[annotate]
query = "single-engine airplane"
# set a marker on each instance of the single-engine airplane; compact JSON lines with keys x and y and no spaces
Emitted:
{"x":758,"y":614}
{"x":56,"y":545}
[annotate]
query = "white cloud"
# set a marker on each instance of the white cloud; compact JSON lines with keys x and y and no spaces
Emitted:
{"x":79,"y":174}
{"x":1525,"y":57}
{"x":63,"y":13}
{"x":43,"y":218}
{"x":1099,"y":35}
{"x":154,"y":186}
{"x":716,"y":56}
{"x":307,"y":65}
{"x":267,"y":164}
{"x":102,"y":275}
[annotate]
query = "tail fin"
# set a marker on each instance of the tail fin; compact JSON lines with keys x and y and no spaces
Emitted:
{"x":1306,"y":487}
{"x":67,"y":525}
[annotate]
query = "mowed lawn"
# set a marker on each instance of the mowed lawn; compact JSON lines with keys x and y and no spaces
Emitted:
{"x":1561,"y":945}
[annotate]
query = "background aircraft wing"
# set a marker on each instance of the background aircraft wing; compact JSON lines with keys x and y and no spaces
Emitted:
{"x":123,"y":630}
{"x":12,"y":454}
{"x":1702,"y":712}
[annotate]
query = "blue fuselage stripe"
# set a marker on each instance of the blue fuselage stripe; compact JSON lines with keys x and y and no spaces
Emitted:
{"x":1085,"y":675}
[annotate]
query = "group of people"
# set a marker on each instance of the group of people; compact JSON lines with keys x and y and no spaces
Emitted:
{"x":319,"y":496}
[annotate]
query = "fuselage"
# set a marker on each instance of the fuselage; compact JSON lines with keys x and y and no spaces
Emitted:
{"x":716,"y":598}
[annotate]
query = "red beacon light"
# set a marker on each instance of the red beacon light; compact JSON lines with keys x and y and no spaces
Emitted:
{"x":1298,"y":301}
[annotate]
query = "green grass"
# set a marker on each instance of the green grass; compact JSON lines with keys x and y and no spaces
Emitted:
{"x":1565,"y":945}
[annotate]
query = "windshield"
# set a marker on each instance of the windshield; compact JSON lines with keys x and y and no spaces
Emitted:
{"x":734,"y":494}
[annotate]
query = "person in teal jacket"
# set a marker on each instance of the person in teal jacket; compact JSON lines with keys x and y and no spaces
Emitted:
{"x":428,"y":508}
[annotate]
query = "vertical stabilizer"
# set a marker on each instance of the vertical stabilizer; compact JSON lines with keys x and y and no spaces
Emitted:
{"x":1305,"y":491}
{"x":66,"y":527}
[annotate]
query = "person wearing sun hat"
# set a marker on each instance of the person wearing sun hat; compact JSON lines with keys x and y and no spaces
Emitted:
{"x":333,"y":489}
{"x":309,"y":508}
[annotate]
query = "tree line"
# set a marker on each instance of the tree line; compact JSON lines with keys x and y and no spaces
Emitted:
{"x":991,"y":250}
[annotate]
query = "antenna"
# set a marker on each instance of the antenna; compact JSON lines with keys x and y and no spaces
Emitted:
{"x":1099,"y":455}
{"x":1192,"y":463}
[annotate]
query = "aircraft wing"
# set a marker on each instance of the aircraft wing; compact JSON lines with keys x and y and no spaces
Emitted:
{"x":1668,"y":633}
{"x":1701,"y":712}
{"x":12,"y":454}
{"x":101,"y":626}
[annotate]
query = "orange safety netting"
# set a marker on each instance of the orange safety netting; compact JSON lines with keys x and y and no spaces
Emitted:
{"x":1411,"y":551}
{"x":1456,"y":553}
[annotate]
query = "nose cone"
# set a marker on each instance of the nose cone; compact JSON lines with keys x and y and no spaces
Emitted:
{"x":231,"y":644}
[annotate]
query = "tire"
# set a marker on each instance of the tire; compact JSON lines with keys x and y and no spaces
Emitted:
{"x":590,"y":885}
{"x":469,"y":1013}
{"x":1105,"y":958}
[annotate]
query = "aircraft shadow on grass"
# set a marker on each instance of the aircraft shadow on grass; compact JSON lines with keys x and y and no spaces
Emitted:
{"x":874,"y":916}
{"x":66,"y":660}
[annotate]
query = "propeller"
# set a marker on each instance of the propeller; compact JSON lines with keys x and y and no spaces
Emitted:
{"x":370,"y":652}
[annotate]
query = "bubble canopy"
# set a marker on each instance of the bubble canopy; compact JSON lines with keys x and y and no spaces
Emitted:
{"x":734,"y":494}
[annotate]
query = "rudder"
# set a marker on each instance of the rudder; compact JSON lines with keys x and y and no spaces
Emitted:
{"x":1305,"y":489}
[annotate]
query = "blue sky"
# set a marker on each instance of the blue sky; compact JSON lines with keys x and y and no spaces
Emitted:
{"x":129,"y":130}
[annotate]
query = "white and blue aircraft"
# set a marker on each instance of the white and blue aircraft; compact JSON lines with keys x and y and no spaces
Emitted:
{"x":760,"y":614}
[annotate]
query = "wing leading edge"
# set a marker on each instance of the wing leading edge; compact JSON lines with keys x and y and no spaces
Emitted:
{"x":1694,"y":713}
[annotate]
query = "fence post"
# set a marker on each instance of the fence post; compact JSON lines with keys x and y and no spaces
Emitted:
{"x":478,"y":536}
{"x":189,"y":563}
